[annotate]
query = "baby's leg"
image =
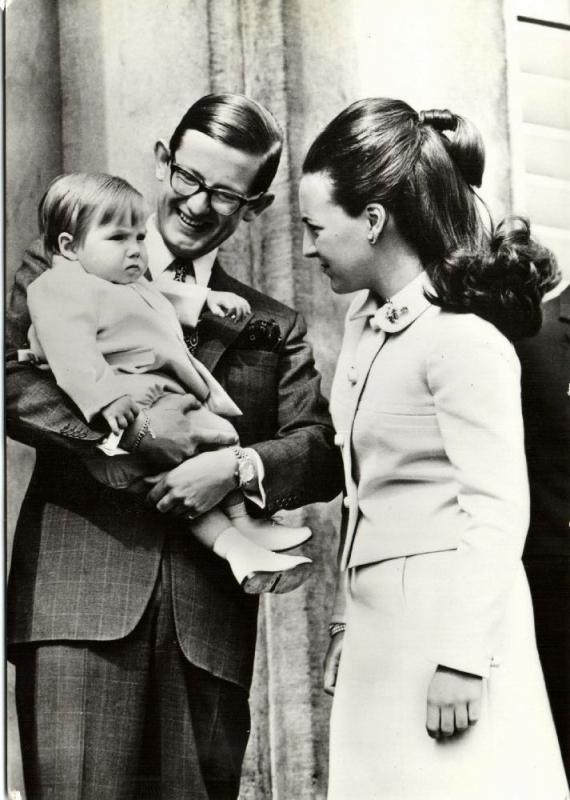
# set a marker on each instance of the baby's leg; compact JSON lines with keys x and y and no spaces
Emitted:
{"x":264,"y":532}
{"x":126,"y":471}
{"x":256,"y":569}
{"x":119,"y":472}
{"x":246,"y":544}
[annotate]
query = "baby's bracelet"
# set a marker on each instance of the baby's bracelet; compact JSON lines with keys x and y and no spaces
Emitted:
{"x":336,"y":627}
{"x":142,"y":433}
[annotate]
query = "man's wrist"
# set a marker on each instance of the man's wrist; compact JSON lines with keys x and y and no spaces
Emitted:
{"x":245,"y":469}
{"x":227,"y":467}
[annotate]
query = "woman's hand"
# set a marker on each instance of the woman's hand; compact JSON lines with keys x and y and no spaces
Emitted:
{"x":332,"y":660}
{"x":453,"y":702}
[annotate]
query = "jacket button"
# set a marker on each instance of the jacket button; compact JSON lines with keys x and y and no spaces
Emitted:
{"x":352,"y":374}
{"x":375,"y":325}
{"x":339,"y":439}
{"x":346,"y":502}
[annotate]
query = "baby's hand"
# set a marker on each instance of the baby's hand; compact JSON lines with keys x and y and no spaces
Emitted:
{"x":120,"y":413}
{"x":224,"y":303}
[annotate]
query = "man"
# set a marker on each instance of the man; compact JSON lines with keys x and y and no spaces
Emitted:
{"x":133,"y":645}
{"x":545,"y":362}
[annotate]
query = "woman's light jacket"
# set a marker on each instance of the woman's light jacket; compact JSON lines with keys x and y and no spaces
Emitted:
{"x":426,"y":405}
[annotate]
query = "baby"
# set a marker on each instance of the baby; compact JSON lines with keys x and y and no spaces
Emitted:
{"x":116,"y":347}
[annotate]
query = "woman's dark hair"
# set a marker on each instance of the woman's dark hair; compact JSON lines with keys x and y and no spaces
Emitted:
{"x":381,"y":149}
{"x":239,"y":122}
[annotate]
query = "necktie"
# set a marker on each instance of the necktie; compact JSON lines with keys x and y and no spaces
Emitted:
{"x":183,"y":269}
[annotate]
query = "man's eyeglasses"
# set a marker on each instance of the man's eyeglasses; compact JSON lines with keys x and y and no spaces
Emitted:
{"x":225,"y":203}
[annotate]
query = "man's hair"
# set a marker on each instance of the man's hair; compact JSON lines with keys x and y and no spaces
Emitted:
{"x":76,"y":202}
{"x":238,"y":122}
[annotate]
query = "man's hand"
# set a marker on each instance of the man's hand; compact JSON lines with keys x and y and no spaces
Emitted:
{"x":181,"y":427}
{"x":453,"y":702}
{"x":195,"y":486}
{"x":120,"y":413}
{"x":227,"y":303}
{"x":332,"y":660}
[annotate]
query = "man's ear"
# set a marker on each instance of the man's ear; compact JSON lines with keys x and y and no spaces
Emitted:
{"x":377,"y":217}
{"x":258,"y":206}
{"x":161,"y":159}
{"x":67,"y":246}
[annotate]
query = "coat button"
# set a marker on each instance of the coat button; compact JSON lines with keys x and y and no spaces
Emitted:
{"x":339,"y":439}
{"x":375,"y":325}
{"x":352,"y":374}
{"x":346,"y":502}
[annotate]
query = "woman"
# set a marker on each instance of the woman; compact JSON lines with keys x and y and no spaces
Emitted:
{"x":433,"y":616}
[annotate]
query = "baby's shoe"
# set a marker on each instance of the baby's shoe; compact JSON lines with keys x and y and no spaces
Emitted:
{"x":267,"y":533}
{"x":258,"y":570}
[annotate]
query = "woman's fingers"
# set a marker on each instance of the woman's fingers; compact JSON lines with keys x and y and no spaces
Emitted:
{"x":461,"y":717}
{"x":447,"y":720}
{"x":474,"y":711}
{"x":453,"y":702}
{"x":432,"y":721}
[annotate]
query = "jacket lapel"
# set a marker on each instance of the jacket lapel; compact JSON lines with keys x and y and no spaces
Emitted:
{"x":216,"y":334}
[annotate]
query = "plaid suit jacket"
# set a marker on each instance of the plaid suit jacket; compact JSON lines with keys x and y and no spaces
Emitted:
{"x":86,"y":558}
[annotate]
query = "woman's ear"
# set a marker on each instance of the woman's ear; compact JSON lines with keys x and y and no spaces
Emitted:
{"x":377,"y":216}
{"x":66,"y":246}
{"x":255,"y":208}
{"x":161,"y":159}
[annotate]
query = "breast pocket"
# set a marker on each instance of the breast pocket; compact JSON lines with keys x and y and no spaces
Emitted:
{"x":404,"y":432}
{"x":405,"y":415}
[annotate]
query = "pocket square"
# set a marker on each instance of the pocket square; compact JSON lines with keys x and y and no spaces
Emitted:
{"x":260,"y":334}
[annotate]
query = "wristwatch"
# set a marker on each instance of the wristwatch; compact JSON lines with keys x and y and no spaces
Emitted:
{"x":245,"y":470}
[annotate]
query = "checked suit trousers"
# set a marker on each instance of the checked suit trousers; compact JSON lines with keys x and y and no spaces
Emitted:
{"x":128,"y":719}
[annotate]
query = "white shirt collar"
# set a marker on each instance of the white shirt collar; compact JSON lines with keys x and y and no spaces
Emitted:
{"x":160,"y":257}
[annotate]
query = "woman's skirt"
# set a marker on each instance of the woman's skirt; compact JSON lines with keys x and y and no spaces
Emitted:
{"x":379,"y":748}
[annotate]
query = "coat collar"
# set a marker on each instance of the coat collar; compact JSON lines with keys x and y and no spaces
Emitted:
{"x":399,"y":311}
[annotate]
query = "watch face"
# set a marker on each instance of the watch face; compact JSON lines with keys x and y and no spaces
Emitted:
{"x":246,"y":470}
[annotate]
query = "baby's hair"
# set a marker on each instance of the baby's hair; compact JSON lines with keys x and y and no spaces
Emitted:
{"x":76,"y":202}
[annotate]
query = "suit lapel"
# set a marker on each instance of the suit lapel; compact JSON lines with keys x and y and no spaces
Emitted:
{"x":218,"y":333}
